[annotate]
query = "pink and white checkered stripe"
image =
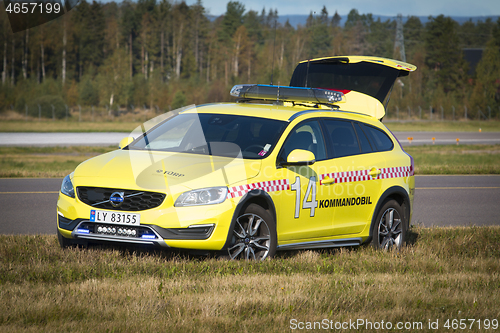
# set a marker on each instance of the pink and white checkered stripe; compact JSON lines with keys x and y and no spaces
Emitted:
{"x":362,"y":175}
{"x":395,"y":172}
{"x":268,"y":186}
{"x":347,"y":176}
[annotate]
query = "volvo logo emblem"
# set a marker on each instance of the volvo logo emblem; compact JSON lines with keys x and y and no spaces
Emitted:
{"x":116,"y":199}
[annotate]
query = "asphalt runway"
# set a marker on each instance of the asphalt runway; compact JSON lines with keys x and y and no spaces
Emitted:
{"x":460,"y":200}
{"x":112,"y":139}
{"x":448,"y":138}
{"x":28,"y":206}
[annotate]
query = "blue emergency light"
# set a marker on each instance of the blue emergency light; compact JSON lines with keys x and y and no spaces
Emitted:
{"x":287,"y":94}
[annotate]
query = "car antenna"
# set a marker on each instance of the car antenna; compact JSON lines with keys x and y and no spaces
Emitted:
{"x":274,"y":47}
{"x":307,"y":72}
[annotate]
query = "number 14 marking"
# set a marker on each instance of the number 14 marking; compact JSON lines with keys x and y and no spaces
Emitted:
{"x":311,"y":191}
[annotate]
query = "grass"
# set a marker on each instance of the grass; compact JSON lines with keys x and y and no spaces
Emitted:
{"x":44,"y":162}
{"x":100,"y":121}
{"x":15,"y":122}
{"x":445,"y":273}
{"x":453,"y":159}
{"x":443,"y":126}
{"x":433,"y":159}
{"x":70,"y":126}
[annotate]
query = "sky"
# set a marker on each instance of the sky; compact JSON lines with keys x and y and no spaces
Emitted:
{"x":377,"y":7}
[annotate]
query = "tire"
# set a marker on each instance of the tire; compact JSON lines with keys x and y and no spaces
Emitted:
{"x":65,"y":242}
{"x":254,"y":235}
{"x":390,"y":227}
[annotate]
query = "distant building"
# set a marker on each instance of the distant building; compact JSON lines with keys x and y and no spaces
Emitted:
{"x":472,"y":56}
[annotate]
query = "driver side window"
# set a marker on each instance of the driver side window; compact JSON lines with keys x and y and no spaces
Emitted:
{"x":306,"y":136}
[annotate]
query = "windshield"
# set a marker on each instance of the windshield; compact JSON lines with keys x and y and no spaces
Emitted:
{"x":214,"y":134}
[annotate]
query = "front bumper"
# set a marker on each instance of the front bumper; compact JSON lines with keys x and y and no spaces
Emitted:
{"x":142,"y":234}
{"x":197,"y":227}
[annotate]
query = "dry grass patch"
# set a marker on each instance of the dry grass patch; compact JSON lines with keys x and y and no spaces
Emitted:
{"x":452,"y":159}
{"x":69,"y":126}
{"x":44,"y":162}
{"x":60,"y":161}
{"x":443,"y":126}
{"x":100,"y":120}
{"x":445,"y":273}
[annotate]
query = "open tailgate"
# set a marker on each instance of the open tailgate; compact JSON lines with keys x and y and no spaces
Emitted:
{"x":368,"y":77}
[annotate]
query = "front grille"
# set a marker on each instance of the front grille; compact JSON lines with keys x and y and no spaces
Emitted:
{"x":98,"y":197}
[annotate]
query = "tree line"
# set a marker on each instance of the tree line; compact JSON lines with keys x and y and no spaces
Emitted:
{"x":162,"y":54}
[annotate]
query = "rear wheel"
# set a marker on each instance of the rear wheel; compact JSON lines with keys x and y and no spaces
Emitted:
{"x":390,"y":229}
{"x":254,"y":235}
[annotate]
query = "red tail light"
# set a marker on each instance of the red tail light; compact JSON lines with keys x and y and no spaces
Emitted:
{"x":412,"y":166}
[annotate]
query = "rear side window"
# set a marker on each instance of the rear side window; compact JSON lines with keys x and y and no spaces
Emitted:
{"x":343,"y":137}
{"x":363,"y":140}
{"x":378,"y":137}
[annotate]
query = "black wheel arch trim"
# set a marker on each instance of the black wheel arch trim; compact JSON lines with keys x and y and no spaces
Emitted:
{"x":67,"y":224}
{"x":398,"y":190}
{"x":197,"y":233}
{"x":247,"y":199}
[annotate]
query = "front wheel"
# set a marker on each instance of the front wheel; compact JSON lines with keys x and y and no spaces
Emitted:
{"x":254,"y":235}
{"x":389,"y":231}
{"x":66,"y":242}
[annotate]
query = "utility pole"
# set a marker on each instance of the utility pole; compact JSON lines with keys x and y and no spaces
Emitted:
{"x":399,"y":44}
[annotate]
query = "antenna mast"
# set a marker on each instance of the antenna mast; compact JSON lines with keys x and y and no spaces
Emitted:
{"x":399,"y":44}
{"x":274,"y":47}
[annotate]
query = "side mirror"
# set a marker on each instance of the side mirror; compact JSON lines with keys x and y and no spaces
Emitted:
{"x":125,"y":142}
{"x":300,"y":157}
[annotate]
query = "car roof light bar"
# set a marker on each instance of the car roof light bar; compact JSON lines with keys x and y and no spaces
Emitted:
{"x":287,"y":94}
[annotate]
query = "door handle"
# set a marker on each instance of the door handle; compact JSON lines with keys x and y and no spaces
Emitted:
{"x":328,"y":181}
{"x":374,"y":172}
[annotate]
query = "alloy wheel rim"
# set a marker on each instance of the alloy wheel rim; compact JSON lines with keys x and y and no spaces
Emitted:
{"x":251,"y":238}
{"x":390,"y":231}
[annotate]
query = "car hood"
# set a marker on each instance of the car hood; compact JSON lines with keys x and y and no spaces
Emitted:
{"x":163,"y":171}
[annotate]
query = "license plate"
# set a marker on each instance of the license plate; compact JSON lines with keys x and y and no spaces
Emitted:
{"x":121,"y":218}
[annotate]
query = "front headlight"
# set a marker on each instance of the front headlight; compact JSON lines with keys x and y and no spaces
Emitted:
{"x":204,"y":196}
{"x":67,"y":187}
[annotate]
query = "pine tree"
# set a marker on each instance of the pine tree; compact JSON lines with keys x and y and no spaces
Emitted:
{"x":89,"y":35}
{"x":233,"y":18}
{"x":413,"y":32}
{"x":336,"y":19}
{"x":444,"y":54}
{"x":487,"y":89}
{"x":319,"y":43}
{"x":496,"y":33}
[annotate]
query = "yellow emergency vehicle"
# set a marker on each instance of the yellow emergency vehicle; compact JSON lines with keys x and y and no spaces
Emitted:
{"x":308,"y":165}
